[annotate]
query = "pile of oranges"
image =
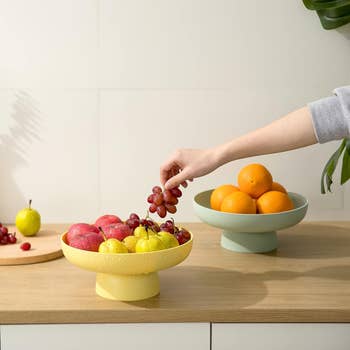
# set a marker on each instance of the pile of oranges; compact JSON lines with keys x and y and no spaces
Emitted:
{"x":256,"y":193}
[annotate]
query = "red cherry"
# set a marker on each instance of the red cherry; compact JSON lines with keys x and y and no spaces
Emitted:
{"x":25,"y":246}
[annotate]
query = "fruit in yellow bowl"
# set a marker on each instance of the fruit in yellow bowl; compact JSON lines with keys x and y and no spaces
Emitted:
{"x":168,"y":239}
{"x":88,"y":241}
{"x":118,"y":231}
{"x":106,"y":220}
{"x":130,"y":243}
{"x":127,"y":269}
{"x":149,"y":243}
{"x":28,"y":221}
{"x":127,"y":277}
{"x":80,"y":229}
{"x":112,"y":245}
{"x":143,"y":231}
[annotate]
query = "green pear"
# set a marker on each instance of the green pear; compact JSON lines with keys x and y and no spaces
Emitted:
{"x":149,"y":244}
{"x":28,"y":221}
{"x":168,"y":239}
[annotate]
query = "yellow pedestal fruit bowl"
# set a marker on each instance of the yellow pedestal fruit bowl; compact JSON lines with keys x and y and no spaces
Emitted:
{"x":126,"y":277}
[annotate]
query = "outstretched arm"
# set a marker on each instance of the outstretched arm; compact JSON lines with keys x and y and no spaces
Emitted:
{"x":295,"y":130}
{"x":321,"y":121}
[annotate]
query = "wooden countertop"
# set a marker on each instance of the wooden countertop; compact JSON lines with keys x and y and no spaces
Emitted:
{"x":306,"y":280}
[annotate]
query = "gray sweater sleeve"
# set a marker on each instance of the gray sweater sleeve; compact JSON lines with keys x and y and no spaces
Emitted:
{"x":331,"y":116}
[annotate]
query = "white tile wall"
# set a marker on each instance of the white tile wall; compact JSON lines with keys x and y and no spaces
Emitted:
{"x":215,"y":44}
{"x":48,"y":43}
{"x":94,"y":95}
{"x":49,"y":153}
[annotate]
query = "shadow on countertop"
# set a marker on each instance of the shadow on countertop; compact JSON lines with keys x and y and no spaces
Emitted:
{"x":214,"y":285}
{"x":314,"y":242}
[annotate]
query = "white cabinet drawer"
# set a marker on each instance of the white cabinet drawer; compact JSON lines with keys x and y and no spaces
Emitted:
{"x":152,"y":336}
{"x":280,"y":336}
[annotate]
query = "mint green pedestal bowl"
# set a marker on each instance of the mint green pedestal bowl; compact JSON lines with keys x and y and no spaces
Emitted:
{"x":249,"y":233}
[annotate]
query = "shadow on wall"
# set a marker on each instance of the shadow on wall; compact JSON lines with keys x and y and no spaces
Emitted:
{"x":14,"y":153}
{"x":345,"y":31}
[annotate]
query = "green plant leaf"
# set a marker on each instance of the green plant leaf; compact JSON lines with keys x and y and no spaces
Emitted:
{"x":345,"y":171}
{"x":324,"y":174}
{"x":330,"y":167}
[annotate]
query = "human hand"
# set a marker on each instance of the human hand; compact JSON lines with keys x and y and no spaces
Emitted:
{"x":185,"y":165}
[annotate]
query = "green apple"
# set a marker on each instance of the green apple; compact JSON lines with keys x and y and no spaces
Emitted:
{"x":112,"y":245}
{"x":149,"y":244}
{"x":168,"y":239}
{"x":143,"y":231}
{"x":28,"y":221}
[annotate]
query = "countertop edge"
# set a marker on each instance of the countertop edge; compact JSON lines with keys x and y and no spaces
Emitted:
{"x":181,"y":316}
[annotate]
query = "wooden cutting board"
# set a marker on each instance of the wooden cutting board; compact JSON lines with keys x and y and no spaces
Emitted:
{"x":45,"y":245}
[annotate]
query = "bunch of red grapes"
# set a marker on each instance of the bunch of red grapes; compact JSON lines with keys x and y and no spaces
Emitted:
{"x":182,"y":235}
{"x":135,"y":221}
{"x":163,"y":202}
{"x":6,"y":237}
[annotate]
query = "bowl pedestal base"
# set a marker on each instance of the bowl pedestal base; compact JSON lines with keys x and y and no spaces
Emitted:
{"x":249,"y":242}
{"x":127,"y":287}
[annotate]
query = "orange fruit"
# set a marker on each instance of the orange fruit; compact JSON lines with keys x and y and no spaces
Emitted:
{"x":256,"y":206}
{"x":274,"y":202}
{"x":218,"y":195}
{"x":255,"y":180}
{"x":278,"y":187}
{"x":238,"y":202}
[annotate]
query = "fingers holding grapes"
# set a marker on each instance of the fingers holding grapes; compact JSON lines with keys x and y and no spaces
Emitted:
{"x":185,"y":165}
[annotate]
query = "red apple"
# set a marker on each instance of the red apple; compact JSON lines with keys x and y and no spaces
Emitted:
{"x":87,"y":241}
{"x":80,"y":228}
{"x":107,"y":220}
{"x":118,"y":231}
